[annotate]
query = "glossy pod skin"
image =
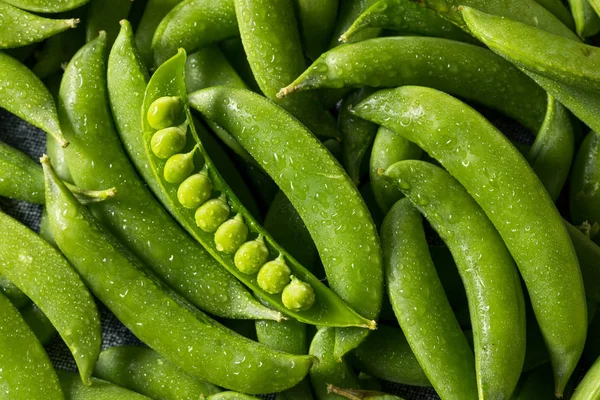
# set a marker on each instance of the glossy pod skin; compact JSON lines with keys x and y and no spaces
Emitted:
{"x":518,"y":205}
{"x":13,"y":293}
{"x":20,"y":177}
{"x":195,"y":343}
{"x":47,"y":6}
{"x":146,"y":372}
{"x":104,"y":15}
{"x":272,"y":44}
{"x":39,"y":323}
{"x":560,"y":11}
{"x":585,"y":183}
{"x":316,"y":19}
{"x":425,"y":316}
{"x":42,"y":273}
{"x":154,"y":12}
{"x":328,"y":309}
{"x":99,"y":390}
{"x":439,"y":63}
{"x":406,"y":17}
{"x":58,"y":50}
{"x":23,"y":94}
{"x":587,"y":22}
{"x":31,"y":377}
{"x":19,"y":28}
{"x":588,"y":254}
{"x":97,"y":159}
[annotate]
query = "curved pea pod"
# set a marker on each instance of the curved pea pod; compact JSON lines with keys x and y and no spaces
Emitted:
{"x":585,"y":182}
{"x":535,"y":385}
{"x":19,"y":28}
{"x":487,"y":270}
{"x":352,"y":394}
{"x":588,"y":254}
{"x":20,"y":177}
{"x":595,"y":5}
{"x":104,"y":15}
{"x":272,"y":44}
{"x":27,"y":373}
{"x":98,"y":390}
{"x":154,"y":12}
{"x":44,"y":275}
{"x":97,"y":157}
{"x":230,"y":396}
{"x":426,"y":317}
{"x":58,"y":50}
{"x":23,"y":94}
{"x":317,"y":19}
{"x":405,"y":17}
{"x":559,"y":10}
{"x":195,"y":343}
{"x":13,"y":293}
{"x":479,"y":156}
{"x":328,"y":309}
{"x":587,"y":22}
{"x":191,"y":25}
{"x":47,"y":6}
{"x":589,"y":387}
{"x":146,"y":372}
{"x":439,"y":63}
{"x":389,"y":148}
{"x":39,"y":323}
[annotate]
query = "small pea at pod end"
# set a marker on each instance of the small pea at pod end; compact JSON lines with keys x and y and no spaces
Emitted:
{"x":298,"y":295}
{"x":168,"y":141}
{"x":251,"y":256}
{"x":231,"y":235}
{"x":274,"y":276}
{"x":212,"y":214}
{"x":195,"y":190}
{"x":165,"y":112}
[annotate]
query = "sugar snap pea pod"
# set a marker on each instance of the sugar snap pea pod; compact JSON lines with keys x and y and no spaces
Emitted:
{"x":349,"y":11}
{"x":20,"y":28}
{"x":13,"y":293}
{"x":209,"y":67}
{"x":20,"y":176}
{"x":272,"y":44}
{"x":585,"y":182}
{"x":234,"y":51}
{"x":154,"y":12}
{"x":41,"y":272}
{"x":27,"y":373}
{"x":47,"y":6}
{"x":317,"y":19}
{"x":406,"y":17}
{"x":426,"y":317}
{"x":595,"y":5}
{"x":146,"y":372}
{"x":388,"y":148}
{"x":587,"y":22}
{"x":230,"y":396}
{"x":57,"y":154}
{"x":39,"y":323}
{"x":559,"y":10}
{"x":194,"y":342}
{"x":210,"y":223}
{"x":23,"y":94}
{"x":487,"y":270}
{"x":98,"y":390}
{"x":588,"y":254}
{"x":433,"y":62}
{"x":589,"y":387}
{"x":193,"y":24}
{"x":478,"y":156}
{"x":104,"y":15}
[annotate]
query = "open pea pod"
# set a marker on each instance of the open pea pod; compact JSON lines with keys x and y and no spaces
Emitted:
{"x":212,"y":213}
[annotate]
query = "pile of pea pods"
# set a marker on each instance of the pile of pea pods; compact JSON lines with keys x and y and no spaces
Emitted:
{"x":306,"y":199}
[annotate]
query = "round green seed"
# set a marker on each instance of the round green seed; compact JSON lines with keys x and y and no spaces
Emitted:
{"x":165,"y":112}
{"x":168,"y":141}
{"x":179,"y":167}
{"x":251,"y":256}
{"x":195,"y":190}
{"x":298,"y":295}
{"x":274,"y":276}
{"x":231,"y":235}
{"x":210,"y":215}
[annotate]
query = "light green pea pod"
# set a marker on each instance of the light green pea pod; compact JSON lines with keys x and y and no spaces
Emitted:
{"x":105,"y":15}
{"x":236,"y":55}
{"x":560,"y":11}
{"x":19,"y":28}
{"x":74,"y":389}
{"x":47,"y":6}
{"x":58,"y":50}
{"x":585,"y":184}
{"x":595,"y":5}
{"x":154,"y":12}
{"x":146,"y":372}
{"x":349,"y":11}
{"x":39,"y":323}
{"x":13,"y":293}
{"x":56,"y":153}
{"x":589,"y":387}
{"x":317,"y":19}
{"x":21,"y":177}
{"x":587,"y":22}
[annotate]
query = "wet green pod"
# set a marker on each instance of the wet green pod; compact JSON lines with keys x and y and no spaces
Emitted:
{"x":251,"y":256}
{"x":23,"y":94}
{"x":42,"y":273}
{"x":154,"y":12}
{"x":47,"y":6}
{"x":19,"y":28}
{"x":168,"y":142}
{"x":209,"y":67}
{"x":98,"y":390}
{"x":195,"y":190}
{"x":57,"y":157}
{"x":426,"y":316}
{"x":587,"y":22}
{"x":316,"y":20}
{"x":329,"y":309}
{"x":58,"y":50}
{"x":105,"y":15}
{"x":21,"y":178}
{"x":231,"y":235}
{"x":298,"y":295}
{"x":585,"y":183}
{"x":588,"y":254}
{"x":39,"y":323}
{"x":195,"y":343}
{"x":13,"y":293}
{"x":146,"y":372}
{"x":405,"y":17}
{"x":438,"y":63}
{"x":272,"y":44}
{"x":560,"y":11}
{"x":31,"y":375}
{"x":479,"y":156}
{"x":274,"y":276}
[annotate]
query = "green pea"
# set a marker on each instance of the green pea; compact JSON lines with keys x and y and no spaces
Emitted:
{"x":231,"y":234}
{"x":179,"y":167}
{"x":210,"y":215}
{"x":274,"y":276}
{"x":165,"y":111}
{"x":195,"y":190}
{"x":251,"y":256}
{"x":168,"y":141}
{"x":298,"y":295}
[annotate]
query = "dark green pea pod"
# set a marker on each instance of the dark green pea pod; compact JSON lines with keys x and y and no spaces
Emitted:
{"x":585,"y":183}
{"x":41,"y":272}
{"x":104,"y":15}
{"x":328,"y":309}
{"x":98,"y":390}
{"x":405,"y":17}
{"x":589,"y":387}
{"x":230,"y":396}
{"x":595,"y":5}
{"x":23,"y":94}
{"x":478,"y":155}
{"x":154,"y":12}
{"x":146,"y":372}
{"x":425,"y":316}
{"x":47,"y":6}
{"x":58,"y":50}
{"x":20,"y":28}
{"x":587,"y":22}
{"x":316,"y":19}
{"x":588,"y":254}
{"x":438,"y":63}
{"x":13,"y":293}
{"x":353,"y":394}
{"x":560,"y":11}
{"x":272,"y":44}
{"x":535,"y":385}
{"x":195,"y":342}
{"x":39,"y":323}
{"x":27,"y":371}
{"x":20,"y":177}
